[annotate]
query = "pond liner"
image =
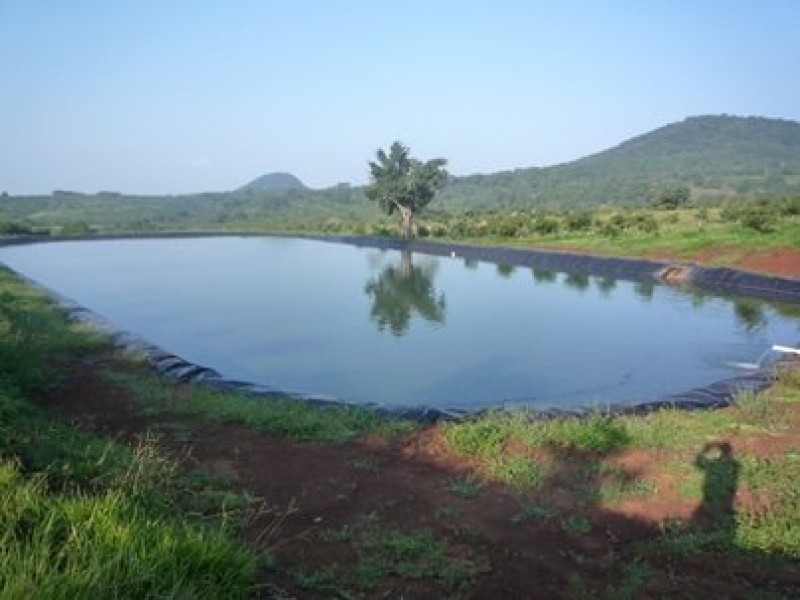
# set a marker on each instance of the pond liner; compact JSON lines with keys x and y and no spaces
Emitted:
{"x":717,"y":280}
{"x":715,"y":395}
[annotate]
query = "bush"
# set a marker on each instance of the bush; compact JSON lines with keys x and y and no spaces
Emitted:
{"x":759,"y":219}
{"x":579,"y":221}
{"x":11,"y":228}
{"x":646,"y":223}
{"x":789,"y":207}
{"x":545,"y":225}
{"x":673,"y":198}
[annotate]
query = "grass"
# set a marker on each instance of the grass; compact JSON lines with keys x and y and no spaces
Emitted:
{"x":464,"y":487}
{"x":83,"y":517}
{"x":284,"y":417}
{"x":383,"y":553}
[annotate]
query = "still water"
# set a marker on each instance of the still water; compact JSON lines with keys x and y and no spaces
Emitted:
{"x":363,"y":324}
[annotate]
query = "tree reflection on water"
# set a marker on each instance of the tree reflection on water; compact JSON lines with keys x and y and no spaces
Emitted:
{"x":401,"y":290}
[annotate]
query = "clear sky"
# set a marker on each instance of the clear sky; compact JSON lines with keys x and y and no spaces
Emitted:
{"x":173,"y":96}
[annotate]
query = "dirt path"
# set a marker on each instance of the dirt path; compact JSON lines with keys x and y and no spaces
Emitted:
{"x":509,"y":546}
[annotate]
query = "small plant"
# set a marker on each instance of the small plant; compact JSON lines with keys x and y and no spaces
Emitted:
{"x":482,"y":437}
{"x":464,"y":487}
{"x":518,"y":471}
{"x":448,"y":512}
{"x":635,"y":577}
{"x":383,"y":552}
{"x":533,"y":512}
{"x":576,"y":525}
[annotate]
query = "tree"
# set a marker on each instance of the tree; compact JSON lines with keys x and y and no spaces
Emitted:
{"x":401,"y":184}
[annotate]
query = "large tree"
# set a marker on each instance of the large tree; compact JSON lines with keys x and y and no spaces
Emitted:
{"x":403,"y":185}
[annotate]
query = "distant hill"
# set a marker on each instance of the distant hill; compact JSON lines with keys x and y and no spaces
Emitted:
{"x":274,"y":181}
{"x":717,"y":157}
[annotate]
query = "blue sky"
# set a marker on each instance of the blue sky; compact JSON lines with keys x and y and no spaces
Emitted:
{"x":176,"y":96}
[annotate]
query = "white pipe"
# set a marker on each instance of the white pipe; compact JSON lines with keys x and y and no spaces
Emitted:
{"x":786,"y":349}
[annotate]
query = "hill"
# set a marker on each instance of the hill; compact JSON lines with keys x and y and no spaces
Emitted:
{"x":274,"y":181}
{"x":717,"y":157}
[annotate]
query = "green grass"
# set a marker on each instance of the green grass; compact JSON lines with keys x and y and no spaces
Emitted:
{"x":70,"y":545}
{"x":285,"y":417}
{"x":383,"y":553}
{"x":84,"y":517}
{"x":468,"y":487}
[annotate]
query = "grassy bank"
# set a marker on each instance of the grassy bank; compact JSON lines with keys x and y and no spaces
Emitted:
{"x":722,"y":234}
{"x":81,"y":516}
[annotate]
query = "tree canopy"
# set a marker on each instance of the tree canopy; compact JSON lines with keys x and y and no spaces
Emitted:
{"x":404,"y":185}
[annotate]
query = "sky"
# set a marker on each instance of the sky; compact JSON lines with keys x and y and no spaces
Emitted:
{"x":180,"y":96}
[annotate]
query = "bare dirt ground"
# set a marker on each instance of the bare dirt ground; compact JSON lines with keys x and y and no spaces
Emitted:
{"x":784,"y":262}
{"x":587,"y":550}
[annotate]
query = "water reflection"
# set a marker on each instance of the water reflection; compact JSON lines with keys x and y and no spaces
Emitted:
{"x":543,"y":275}
{"x":400,"y":291}
{"x":577,"y":280}
{"x":606,"y":284}
{"x":750,"y":313}
{"x":645,"y":290}
{"x":505,"y":270}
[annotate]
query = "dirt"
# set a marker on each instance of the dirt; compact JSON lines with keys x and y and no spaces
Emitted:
{"x":784,"y":262}
{"x":407,"y":484}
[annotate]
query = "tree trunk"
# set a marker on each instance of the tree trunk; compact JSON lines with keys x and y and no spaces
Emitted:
{"x":406,"y":222}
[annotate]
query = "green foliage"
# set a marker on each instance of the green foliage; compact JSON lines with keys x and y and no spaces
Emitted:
{"x":403,"y":184}
{"x":464,"y":487}
{"x":716,"y":158}
{"x":278,"y":416}
{"x":12,"y":228}
{"x":82,"y":517}
{"x":758,"y":219}
{"x":579,"y":220}
{"x":385,"y":552}
{"x":673,"y":198}
{"x":545,"y":225}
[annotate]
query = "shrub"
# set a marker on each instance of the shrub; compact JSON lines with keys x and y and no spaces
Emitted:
{"x":759,"y":219}
{"x":579,"y":221}
{"x":545,"y":225}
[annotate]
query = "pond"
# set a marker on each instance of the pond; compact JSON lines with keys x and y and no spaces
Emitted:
{"x":385,"y":326}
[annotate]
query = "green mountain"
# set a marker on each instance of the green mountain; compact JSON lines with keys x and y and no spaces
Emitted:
{"x":274,"y":181}
{"x":715,"y":157}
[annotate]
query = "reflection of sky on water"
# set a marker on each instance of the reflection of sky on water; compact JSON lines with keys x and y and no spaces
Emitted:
{"x":361,"y":324}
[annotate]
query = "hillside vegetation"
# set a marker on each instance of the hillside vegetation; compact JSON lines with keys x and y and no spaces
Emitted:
{"x":715,"y":158}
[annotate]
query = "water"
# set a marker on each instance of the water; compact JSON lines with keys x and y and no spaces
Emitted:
{"x":368,"y":325}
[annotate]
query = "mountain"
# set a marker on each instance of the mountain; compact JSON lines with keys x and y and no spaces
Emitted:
{"x":274,"y":181}
{"x":717,"y":157}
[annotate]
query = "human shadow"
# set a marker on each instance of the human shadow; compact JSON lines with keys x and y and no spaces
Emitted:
{"x":720,"y":481}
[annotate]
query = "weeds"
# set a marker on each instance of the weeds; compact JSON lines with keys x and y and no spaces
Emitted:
{"x":83,"y":517}
{"x":385,"y":552}
{"x":464,"y":487}
{"x":290,"y":418}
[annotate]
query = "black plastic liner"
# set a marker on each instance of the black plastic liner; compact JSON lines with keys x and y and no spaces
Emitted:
{"x":716,"y":395}
{"x":717,"y":280}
